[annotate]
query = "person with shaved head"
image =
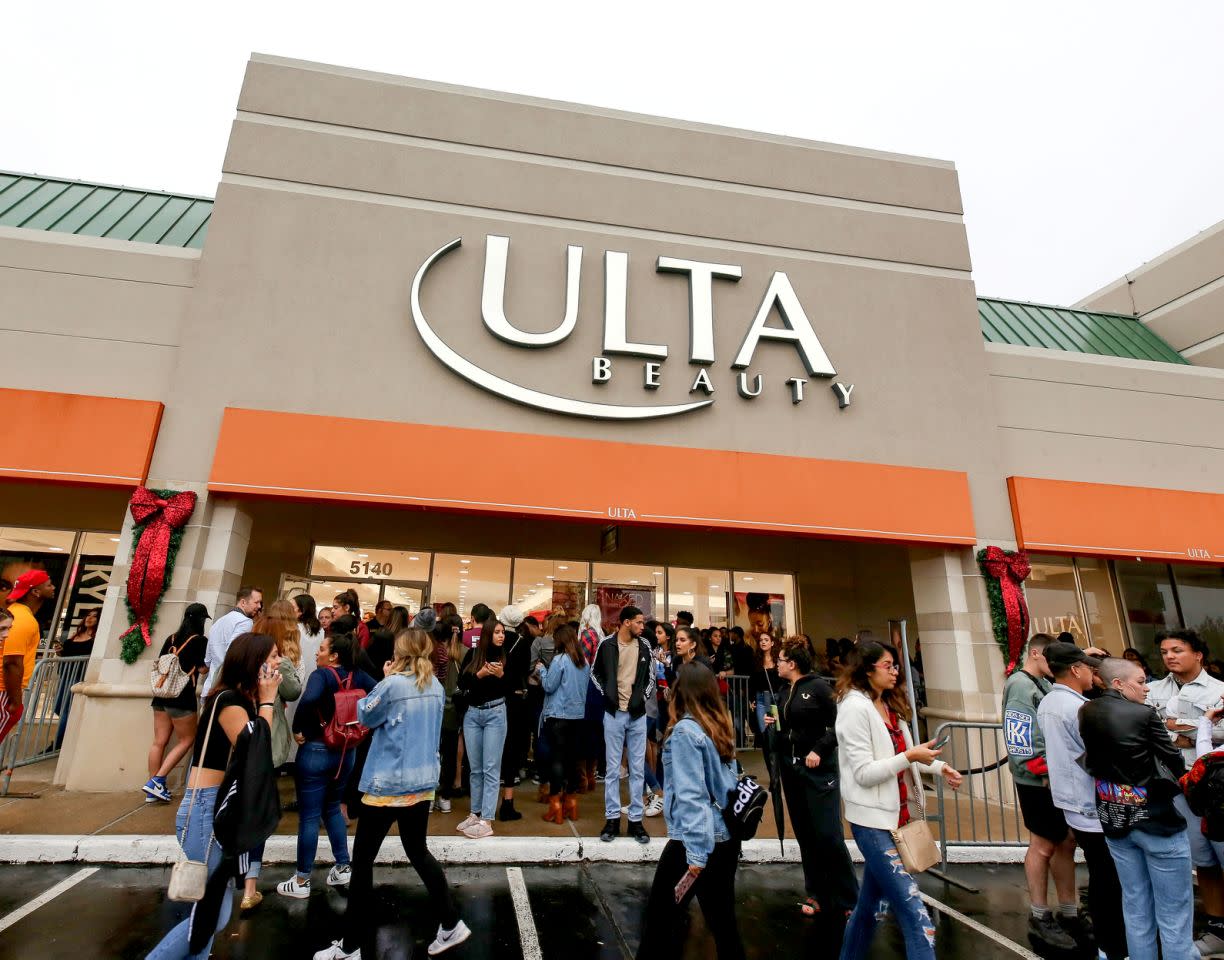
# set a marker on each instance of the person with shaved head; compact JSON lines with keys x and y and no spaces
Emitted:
{"x":1135,"y":765}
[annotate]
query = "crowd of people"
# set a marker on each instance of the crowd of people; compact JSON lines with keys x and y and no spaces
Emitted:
{"x":386,"y":718}
{"x":1127,"y":769}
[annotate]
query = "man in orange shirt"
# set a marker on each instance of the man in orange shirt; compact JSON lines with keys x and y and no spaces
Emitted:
{"x":30,"y":591}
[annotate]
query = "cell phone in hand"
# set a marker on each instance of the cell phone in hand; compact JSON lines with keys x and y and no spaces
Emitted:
{"x":942,"y":741}
{"x":685,"y":884}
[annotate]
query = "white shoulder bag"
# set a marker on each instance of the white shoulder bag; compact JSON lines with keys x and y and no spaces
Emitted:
{"x":189,"y":877}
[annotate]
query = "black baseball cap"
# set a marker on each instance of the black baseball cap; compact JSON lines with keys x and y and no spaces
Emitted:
{"x":1062,"y":656}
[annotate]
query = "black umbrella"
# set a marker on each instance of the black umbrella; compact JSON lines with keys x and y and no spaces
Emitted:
{"x":773,"y":762}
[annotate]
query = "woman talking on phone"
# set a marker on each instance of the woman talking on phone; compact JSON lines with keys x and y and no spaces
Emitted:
{"x":701,"y":858}
{"x":880,"y":767}
{"x":246,"y":690}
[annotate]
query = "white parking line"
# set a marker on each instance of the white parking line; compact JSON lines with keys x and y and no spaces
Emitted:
{"x":980,"y":928}
{"x":66,"y":884}
{"x":522,"y":910}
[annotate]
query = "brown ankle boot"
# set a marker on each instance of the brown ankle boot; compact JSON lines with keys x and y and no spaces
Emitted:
{"x":553,"y":813}
{"x":542,"y":796}
{"x":569,"y":805}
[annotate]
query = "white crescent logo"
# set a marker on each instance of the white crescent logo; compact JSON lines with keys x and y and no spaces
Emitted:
{"x":512,"y":391}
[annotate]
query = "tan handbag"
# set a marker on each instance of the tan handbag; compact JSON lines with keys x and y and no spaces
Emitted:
{"x":915,"y":842}
{"x":189,"y":877}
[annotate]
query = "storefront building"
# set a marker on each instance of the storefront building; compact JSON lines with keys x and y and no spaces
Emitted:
{"x":450,"y":345}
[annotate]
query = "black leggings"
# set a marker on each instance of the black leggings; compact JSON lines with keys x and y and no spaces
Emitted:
{"x":664,"y":929}
{"x":1104,"y":894}
{"x":372,"y":828}
{"x":815,"y":813}
{"x":564,"y":746}
{"x":448,"y":750}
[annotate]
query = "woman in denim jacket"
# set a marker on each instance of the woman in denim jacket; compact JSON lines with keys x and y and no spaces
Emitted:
{"x":697,"y":759}
{"x":404,"y":711}
{"x":565,"y":683}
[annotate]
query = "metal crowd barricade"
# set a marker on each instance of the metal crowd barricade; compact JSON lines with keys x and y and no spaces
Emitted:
{"x":985,"y":811}
{"x":39,"y":733}
{"x":742,"y":710}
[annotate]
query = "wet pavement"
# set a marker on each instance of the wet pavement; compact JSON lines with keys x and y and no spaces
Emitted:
{"x":578,"y":911}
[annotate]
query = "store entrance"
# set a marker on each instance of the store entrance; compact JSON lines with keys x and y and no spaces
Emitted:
{"x":406,"y":593}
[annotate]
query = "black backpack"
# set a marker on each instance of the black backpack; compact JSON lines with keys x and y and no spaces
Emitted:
{"x":745,"y":807}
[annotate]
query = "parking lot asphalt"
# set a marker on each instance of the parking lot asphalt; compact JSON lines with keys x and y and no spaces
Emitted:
{"x":576,"y":911}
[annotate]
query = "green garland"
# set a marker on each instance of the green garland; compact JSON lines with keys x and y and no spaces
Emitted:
{"x":133,"y":645}
{"x":998,"y":617}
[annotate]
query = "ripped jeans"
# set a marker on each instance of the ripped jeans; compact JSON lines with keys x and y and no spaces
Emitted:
{"x":886,"y":884}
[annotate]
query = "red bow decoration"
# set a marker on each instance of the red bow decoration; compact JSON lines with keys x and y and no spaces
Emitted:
{"x":1011,"y":570}
{"x":147,"y":578}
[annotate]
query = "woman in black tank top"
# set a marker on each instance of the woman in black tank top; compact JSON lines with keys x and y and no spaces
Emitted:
{"x":246,"y":689}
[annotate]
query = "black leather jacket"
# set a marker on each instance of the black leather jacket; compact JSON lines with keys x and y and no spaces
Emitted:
{"x":1124,"y":740}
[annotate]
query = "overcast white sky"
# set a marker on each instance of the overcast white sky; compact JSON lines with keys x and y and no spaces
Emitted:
{"x":1087,"y":135}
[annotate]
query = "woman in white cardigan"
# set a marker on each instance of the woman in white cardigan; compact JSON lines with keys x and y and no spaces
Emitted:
{"x":879,"y":766}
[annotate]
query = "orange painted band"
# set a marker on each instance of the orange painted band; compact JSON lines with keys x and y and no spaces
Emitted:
{"x":72,"y":438}
{"x":542,"y":475}
{"x":1148,"y":523}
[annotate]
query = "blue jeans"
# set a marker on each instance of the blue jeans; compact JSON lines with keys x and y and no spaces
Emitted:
{"x":886,"y":883}
{"x":320,"y":792}
{"x":1156,"y":894}
{"x":621,"y":733}
{"x":764,"y":700}
{"x":484,"y":735}
{"x":174,"y":945}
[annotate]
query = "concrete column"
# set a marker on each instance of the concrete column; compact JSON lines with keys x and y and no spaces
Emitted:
{"x":963,"y":666}
{"x":110,"y":728}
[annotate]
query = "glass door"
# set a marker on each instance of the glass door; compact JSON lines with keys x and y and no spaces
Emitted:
{"x":409,"y":594}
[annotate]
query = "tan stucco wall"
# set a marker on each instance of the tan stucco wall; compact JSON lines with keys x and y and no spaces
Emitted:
{"x":1070,"y":416}
{"x":91,"y":316}
{"x":1179,"y":294}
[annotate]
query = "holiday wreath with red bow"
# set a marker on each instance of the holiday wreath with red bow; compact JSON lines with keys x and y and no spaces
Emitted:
{"x":1005,"y":572}
{"x":159,"y":516}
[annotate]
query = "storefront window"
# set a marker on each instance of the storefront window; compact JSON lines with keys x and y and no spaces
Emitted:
{"x":79,"y":564}
{"x":1052,"y":599}
{"x":703,"y":593}
{"x":370,"y":564}
{"x":465,"y":580}
{"x":1201,"y":592}
{"x":765,"y":603}
{"x":88,"y":579}
{"x":1147,"y":598}
{"x":545,"y":587}
{"x":618,"y":585}
{"x":1098,"y":597}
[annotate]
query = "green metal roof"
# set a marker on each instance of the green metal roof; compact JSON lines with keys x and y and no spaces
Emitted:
{"x":97,"y":210}
{"x":1077,"y":331}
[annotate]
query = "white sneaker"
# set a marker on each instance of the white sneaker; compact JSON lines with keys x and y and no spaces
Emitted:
{"x":1209,"y":945}
{"x":449,"y":938}
{"x":467,"y":821}
{"x":340,"y":875}
{"x":479,"y":830}
{"x":654,"y":806}
{"x":293,"y":888}
{"x":336,"y":952}
{"x":444,"y":805}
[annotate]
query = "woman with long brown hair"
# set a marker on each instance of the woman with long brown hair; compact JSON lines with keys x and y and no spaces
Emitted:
{"x":482,"y":680}
{"x":280,"y":622}
{"x":565,"y":685}
{"x":697,"y":762}
{"x":880,"y":773}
